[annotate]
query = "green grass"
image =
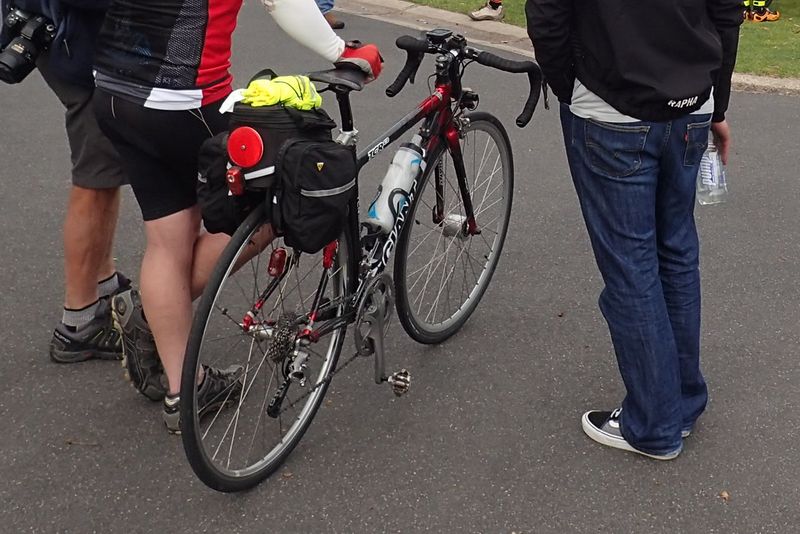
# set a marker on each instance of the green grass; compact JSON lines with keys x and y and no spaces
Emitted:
{"x":765,"y":48}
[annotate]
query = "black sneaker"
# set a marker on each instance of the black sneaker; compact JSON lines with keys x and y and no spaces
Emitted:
{"x":219,"y":388}
{"x":603,"y":427}
{"x":97,"y":339}
{"x":139,"y":356}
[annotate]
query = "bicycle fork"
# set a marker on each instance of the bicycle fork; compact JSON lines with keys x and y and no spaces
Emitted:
{"x":453,"y":224}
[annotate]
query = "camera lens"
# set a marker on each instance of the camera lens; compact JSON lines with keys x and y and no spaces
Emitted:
{"x":17,"y":60}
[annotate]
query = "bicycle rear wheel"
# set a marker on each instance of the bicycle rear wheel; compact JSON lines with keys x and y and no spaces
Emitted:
{"x":441,"y":271}
{"x":243,"y":441}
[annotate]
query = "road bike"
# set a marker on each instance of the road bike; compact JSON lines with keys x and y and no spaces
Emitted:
{"x":281,"y":316}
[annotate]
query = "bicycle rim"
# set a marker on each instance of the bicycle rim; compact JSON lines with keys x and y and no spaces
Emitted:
{"x":239,"y":444}
{"x":442,"y":272}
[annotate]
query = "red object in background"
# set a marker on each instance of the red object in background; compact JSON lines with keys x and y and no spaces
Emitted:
{"x":245,"y":146}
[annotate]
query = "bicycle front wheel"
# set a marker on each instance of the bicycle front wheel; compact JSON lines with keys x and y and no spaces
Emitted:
{"x":250,"y":431}
{"x":441,"y":270}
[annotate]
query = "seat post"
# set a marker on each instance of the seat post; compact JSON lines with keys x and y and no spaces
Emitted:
{"x":345,"y":111}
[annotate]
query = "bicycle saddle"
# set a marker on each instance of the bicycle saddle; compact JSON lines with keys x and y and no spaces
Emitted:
{"x":341,"y":79}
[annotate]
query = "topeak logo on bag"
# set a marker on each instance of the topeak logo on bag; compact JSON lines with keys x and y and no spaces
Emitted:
{"x":683,"y":103}
{"x":320,"y":164}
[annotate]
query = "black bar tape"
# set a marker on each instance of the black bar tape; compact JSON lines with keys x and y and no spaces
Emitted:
{"x":409,"y":69}
{"x":412,"y":44}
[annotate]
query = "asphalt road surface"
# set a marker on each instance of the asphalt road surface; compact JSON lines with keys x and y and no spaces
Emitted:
{"x":488,"y":440}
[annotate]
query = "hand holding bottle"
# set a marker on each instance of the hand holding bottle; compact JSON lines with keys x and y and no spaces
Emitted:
{"x":712,"y":185}
{"x":722,"y":139}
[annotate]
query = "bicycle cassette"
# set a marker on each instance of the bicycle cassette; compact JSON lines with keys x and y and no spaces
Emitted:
{"x":373,"y":312}
{"x":283,"y":337}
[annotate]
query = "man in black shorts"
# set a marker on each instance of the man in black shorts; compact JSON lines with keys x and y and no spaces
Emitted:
{"x":158,"y":103}
{"x":86,"y":330}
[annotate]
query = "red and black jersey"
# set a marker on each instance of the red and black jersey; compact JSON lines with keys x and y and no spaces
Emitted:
{"x":167,"y":54}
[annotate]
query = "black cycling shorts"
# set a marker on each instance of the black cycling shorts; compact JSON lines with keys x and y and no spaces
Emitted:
{"x":158,"y":149}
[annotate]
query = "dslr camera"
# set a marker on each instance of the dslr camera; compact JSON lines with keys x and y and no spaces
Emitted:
{"x":32,"y":34}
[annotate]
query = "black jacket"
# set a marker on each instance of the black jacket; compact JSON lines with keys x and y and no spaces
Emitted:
{"x":655,"y":60}
{"x":78,"y":23}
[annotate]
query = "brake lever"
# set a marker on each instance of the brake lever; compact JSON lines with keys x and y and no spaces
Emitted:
{"x":418,"y":58}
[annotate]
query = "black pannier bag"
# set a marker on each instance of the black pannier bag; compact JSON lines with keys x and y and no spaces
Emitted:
{"x":317,"y":185}
{"x":283,"y":154}
{"x":223,"y":212}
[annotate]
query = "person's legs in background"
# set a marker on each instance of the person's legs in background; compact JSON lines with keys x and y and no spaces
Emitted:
{"x":759,"y":11}
{"x":86,"y":330}
{"x":493,"y":10}
{"x":326,"y":7}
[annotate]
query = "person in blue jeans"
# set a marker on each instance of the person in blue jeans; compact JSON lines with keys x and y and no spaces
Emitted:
{"x":640,"y":85}
{"x":326,"y":7}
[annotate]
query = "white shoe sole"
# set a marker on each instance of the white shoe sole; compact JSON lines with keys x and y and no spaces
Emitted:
{"x":610,"y":440}
{"x":479,"y":18}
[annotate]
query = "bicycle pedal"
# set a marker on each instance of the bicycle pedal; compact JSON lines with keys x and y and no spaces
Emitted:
{"x":400,"y":382}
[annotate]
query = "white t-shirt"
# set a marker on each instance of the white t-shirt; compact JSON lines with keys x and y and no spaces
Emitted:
{"x":587,"y":105}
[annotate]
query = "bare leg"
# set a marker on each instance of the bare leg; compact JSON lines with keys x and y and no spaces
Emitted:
{"x":209,"y":247}
{"x":206,"y":251}
{"x":166,"y":286}
{"x":89,"y":228}
{"x":175,"y":268}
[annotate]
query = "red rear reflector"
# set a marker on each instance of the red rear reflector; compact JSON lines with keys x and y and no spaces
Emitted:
{"x":245,"y":146}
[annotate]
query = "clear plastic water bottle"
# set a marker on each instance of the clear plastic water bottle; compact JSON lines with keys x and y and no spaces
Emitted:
{"x":712,"y":186}
{"x":393,"y":191}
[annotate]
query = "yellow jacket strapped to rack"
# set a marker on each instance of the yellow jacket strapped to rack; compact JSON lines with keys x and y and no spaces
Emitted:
{"x":292,"y":91}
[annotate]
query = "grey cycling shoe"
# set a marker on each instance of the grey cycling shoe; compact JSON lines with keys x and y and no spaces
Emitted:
{"x":139,"y":356}
{"x":220,"y":387}
{"x":98,"y":339}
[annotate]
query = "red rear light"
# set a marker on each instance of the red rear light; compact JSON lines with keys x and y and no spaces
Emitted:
{"x":235,"y":180}
{"x":245,"y":146}
{"x":277,"y":262}
{"x":328,"y":253}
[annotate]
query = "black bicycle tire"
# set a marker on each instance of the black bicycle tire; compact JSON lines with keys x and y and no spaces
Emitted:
{"x":413,"y":328}
{"x":192,"y":442}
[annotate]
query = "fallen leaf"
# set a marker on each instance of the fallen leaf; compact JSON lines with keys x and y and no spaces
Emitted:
{"x":287,"y":474}
{"x":725,"y":496}
{"x":84,"y":443}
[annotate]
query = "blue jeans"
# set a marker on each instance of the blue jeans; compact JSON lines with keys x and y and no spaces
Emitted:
{"x":324,"y":5}
{"x":636,"y":186}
